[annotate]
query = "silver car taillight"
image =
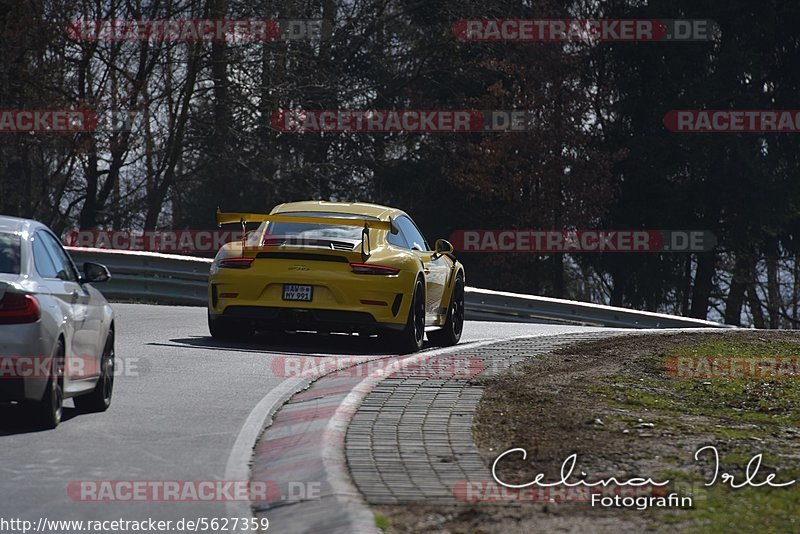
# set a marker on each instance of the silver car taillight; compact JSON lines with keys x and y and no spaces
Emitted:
{"x":16,"y":308}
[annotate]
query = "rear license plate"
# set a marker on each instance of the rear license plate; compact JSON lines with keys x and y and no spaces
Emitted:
{"x":295,"y":292}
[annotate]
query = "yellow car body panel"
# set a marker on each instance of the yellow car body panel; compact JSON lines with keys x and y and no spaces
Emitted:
{"x":341,"y":300}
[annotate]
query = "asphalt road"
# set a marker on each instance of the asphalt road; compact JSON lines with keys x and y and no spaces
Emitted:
{"x":179,"y":403}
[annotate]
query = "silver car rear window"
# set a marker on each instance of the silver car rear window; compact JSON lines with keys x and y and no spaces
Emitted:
{"x":9,"y":253}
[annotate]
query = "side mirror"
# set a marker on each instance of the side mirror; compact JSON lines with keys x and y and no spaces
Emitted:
{"x":95,"y":272}
{"x":443,"y":246}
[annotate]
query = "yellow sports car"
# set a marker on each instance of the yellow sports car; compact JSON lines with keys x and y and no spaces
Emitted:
{"x":336,"y":267}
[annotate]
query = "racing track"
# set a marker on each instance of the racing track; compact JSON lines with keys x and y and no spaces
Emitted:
{"x":174,"y":416}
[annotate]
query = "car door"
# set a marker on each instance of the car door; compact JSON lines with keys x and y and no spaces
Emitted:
{"x":83,"y":359}
{"x":435,"y":267}
{"x":60,"y":290}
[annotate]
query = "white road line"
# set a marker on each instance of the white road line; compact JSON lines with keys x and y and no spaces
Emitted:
{"x":238,"y":466}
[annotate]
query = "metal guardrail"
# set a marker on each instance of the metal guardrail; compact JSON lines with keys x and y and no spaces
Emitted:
{"x":491,"y":305}
{"x":171,"y":279}
{"x":150,"y":277}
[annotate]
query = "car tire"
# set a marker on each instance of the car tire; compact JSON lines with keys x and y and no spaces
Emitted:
{"x":228,"y":330}
{"x":411,"y":338}
{"x":450,"y":334}
{"x":46,"y":413}
{"x":99,"y":399}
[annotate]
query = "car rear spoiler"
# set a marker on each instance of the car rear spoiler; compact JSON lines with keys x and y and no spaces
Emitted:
{"x":366,"y":224}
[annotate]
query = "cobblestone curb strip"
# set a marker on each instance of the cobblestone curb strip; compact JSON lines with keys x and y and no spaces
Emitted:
{"x":410,"y":440}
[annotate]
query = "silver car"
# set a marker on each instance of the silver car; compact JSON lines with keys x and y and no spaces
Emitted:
{"x":56,"y":330}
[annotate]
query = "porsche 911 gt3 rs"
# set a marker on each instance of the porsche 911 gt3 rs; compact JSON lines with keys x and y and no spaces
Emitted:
{"x":336,"y":267}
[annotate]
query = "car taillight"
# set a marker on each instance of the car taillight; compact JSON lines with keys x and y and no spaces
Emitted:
{"x":19,"y":309}
{"x":236,"y":263}
{"x":363,"y":268}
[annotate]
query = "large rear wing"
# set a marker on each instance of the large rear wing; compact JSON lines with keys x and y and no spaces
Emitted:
{"x":243,"y":218}
{"x":366,"y":224}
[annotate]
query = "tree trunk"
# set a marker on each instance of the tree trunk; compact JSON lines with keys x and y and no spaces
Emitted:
{"x":686,"y":286}
{"x":753,"y":300}
{"x":773,"y":289}
{"x":703,"y":284}
{"x":735,"y":301}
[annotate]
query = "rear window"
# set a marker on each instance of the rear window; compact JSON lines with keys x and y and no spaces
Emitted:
{"x":9,"y":253}
{"x":305,"y":232}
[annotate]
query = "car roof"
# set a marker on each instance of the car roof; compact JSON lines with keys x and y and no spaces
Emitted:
{"x":16,"y":225}
{"x":353,"y":208}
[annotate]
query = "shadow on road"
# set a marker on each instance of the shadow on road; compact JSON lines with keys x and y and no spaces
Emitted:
{"x":293,"y":343}
{"x":15,"y":420}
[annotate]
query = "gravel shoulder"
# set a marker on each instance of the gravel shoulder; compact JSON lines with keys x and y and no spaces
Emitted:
{"x":619,"y":407}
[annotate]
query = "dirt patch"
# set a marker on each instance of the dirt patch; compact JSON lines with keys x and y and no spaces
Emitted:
{"x":616,"y":406}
